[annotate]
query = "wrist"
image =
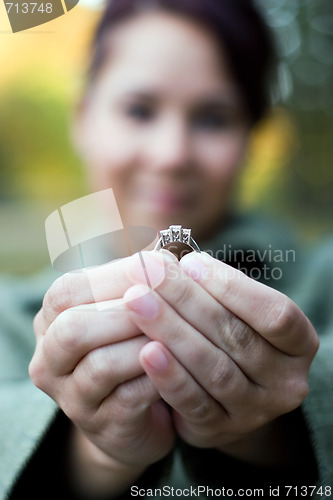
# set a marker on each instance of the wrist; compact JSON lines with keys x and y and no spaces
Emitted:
{"x":94,"y":474}
{"x":279,"y":443}
{"x":267,"y":446}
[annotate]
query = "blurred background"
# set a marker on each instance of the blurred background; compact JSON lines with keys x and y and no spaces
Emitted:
{"x":289,"y":171}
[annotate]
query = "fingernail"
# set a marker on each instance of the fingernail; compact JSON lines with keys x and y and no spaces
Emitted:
{"x":140,"y":299}
{"x":147,"y":268}
{"x":155,"y":357}
{"x":194,"y":267}
{"x":168,"y":256}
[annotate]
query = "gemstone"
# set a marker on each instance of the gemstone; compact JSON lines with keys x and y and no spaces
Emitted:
{"x":166,"y":236}
{"x":176,"y":233}
{"x":186,"y":236}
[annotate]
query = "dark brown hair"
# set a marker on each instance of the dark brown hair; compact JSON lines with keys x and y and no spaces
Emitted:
{"x":238,"y":27}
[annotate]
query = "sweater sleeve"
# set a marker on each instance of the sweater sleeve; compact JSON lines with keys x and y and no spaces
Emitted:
{"x":315,"y":298}
{"x":26,"y":412}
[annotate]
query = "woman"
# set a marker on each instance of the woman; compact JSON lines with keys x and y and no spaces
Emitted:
{"x":198,"y":379}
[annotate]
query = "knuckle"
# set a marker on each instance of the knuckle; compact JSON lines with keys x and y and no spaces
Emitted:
{"x":98,"y":366}
{"x":37,"y":323}
{"x":219,"y":318}
{"x":229,"y":277}
{"x":299,"y":389}
{"x":126,"y":397}
{"x":260,"y":419}
{"x":76,"y":407}
{"x":120,"y":412}
{"x":227,"y":286}
{"x":134,"y":394}
{"x":178,"y":387}
{"x":84,"y":387}
{"x":58,"y":297}
{"x":81,"y":385}
{"x":282,"y":316}
{"x":237,"y":334}
{"x":65,"y":293}
{"x":221,"y":376}
{"x":37,"y":373}
{"x":295,"y":391}
{"x":69,"y":329}
{"x":199,"y":411}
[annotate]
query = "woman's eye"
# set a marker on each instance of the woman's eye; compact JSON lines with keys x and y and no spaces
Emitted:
{"x":140,"y":112}
{"x":211,"y":122}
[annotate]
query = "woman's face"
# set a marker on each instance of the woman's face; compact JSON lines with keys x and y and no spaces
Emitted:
{"x":164,"y":125}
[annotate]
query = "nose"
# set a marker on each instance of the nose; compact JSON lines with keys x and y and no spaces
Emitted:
{"x":169,"y":147}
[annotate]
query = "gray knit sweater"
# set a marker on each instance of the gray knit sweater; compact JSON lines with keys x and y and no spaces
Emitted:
{"x":28,"y":417}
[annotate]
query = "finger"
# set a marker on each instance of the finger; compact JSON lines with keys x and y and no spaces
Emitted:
{"x":85,"y":287}
{"x":103,"y":369}
{"x":272,"y":314}
{"x":136,"y":394}
{"x":135,"y":416}
{"x":118,"y":411}
{"x":225,"y":330}
{"x":210,"y":366}
{"x":179,"y":389}
{"x":75,"y":332}
{"x":102,"y":283}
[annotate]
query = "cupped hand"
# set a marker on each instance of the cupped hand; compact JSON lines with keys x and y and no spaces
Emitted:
{"x":229,"y":354}
{"x":87,"y":360}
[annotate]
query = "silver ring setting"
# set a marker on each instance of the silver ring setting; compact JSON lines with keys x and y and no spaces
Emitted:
{"x":176,"y":234}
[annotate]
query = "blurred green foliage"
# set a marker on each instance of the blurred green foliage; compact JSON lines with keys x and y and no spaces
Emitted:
{"x":38,"y":170}
{"x":37,"y":158}
{"x":301,"y":189}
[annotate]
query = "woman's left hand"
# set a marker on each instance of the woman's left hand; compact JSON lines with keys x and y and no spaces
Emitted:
{"x":228,"y":354}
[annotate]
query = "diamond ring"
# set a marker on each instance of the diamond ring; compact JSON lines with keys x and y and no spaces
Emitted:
{"x":174,"y":237}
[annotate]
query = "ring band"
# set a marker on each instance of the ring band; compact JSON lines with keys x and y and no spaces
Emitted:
{"x":176,"y":234}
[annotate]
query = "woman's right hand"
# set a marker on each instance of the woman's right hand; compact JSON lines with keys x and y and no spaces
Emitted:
{"x":87,"y":360}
